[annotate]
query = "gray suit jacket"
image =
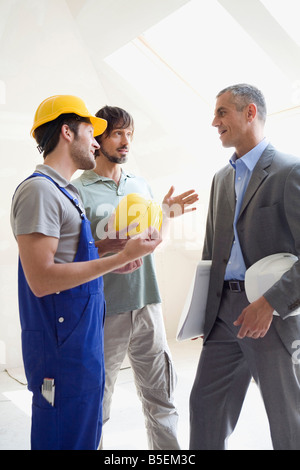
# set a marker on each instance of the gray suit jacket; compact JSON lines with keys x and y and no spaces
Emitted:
{"x":268,"y":223}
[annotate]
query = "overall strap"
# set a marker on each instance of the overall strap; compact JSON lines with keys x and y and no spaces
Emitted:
{"x":63,"y":190}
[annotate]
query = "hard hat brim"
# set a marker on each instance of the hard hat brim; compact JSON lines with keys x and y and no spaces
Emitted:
{"x":66,"y":104}
{"x":263,"y":274}
{"x":98,"y":124}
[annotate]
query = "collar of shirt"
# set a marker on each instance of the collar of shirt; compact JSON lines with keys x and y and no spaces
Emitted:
{"x":49,"y":171}
{"x":251,"y":158}
{"x":90,"y":177}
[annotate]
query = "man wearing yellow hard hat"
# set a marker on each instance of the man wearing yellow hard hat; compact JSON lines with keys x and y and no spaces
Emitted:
{"x":61,"y":299}
{"x":134,"y":320}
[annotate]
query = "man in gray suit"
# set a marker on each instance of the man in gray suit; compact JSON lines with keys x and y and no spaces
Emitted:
{"x":254,"y":212}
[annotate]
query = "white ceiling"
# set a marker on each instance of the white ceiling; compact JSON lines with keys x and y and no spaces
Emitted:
{"x":164,"y":61}
{"x":106,"y":25}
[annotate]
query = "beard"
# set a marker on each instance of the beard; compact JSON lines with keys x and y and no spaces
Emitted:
{"x":82,"y":157}
{"x":112,"y":158}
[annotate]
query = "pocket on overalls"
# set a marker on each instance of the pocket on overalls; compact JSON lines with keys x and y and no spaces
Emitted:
{"x":81,"y":354}
{"x":33,"y":347}
{"x":68,"y":313}
{"x":44,"y":428}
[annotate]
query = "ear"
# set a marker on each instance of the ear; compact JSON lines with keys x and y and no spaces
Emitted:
{"x":251,"y":112}
{"x":66,"y":132}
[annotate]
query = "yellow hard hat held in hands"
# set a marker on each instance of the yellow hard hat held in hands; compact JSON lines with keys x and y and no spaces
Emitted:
{"x":136,"y":209}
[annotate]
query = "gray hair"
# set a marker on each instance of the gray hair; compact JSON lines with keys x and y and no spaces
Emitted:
{"x":246,"y":94}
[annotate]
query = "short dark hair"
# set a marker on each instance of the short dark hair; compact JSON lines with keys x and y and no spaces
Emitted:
{"x":117,"y":118}
{"x":47,"y":135}
{"x":245,"y":95}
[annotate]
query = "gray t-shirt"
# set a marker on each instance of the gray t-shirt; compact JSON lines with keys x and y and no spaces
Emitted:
{"x":40,"y":207}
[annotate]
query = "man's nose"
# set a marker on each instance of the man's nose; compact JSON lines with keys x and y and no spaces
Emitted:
{"x":215,"y":122}
{"x":125,"y":139}
{"x":95,"y":144}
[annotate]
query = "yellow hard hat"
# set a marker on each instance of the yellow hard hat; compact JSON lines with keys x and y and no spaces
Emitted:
{"x":56,"y":105}
{"x":135,"y":208}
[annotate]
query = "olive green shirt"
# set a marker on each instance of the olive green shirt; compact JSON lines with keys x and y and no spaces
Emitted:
{"x":100,"y":196}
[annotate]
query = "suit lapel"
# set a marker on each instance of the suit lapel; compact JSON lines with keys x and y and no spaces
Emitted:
{"x":229,"y":188}
{"x":259,"y":174}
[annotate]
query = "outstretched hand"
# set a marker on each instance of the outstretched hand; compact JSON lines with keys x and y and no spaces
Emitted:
{"x":173,"y":206}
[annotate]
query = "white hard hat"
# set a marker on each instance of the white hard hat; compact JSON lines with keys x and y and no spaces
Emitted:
{"x":265,"y":273}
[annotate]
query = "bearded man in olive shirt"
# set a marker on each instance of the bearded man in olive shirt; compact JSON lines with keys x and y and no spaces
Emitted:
{"x":134,"y":322}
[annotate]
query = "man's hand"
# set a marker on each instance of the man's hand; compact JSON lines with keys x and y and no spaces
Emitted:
{"x":143,"y":244}
{"x":255,"y":320}
{"x":110,"y":245}
{"x":113,"y":241}
{"x":173,"y":206}
{"x":130,"y":267}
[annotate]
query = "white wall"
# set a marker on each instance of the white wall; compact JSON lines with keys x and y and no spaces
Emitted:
{"x":71,"y":46}
{"x":41,"y":55}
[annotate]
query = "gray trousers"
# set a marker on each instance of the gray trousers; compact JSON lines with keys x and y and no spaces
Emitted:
{"x":141,"y":334}
{"x":225,"y":369}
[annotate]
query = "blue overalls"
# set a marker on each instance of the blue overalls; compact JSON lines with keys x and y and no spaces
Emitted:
{"x":62,"y":339}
